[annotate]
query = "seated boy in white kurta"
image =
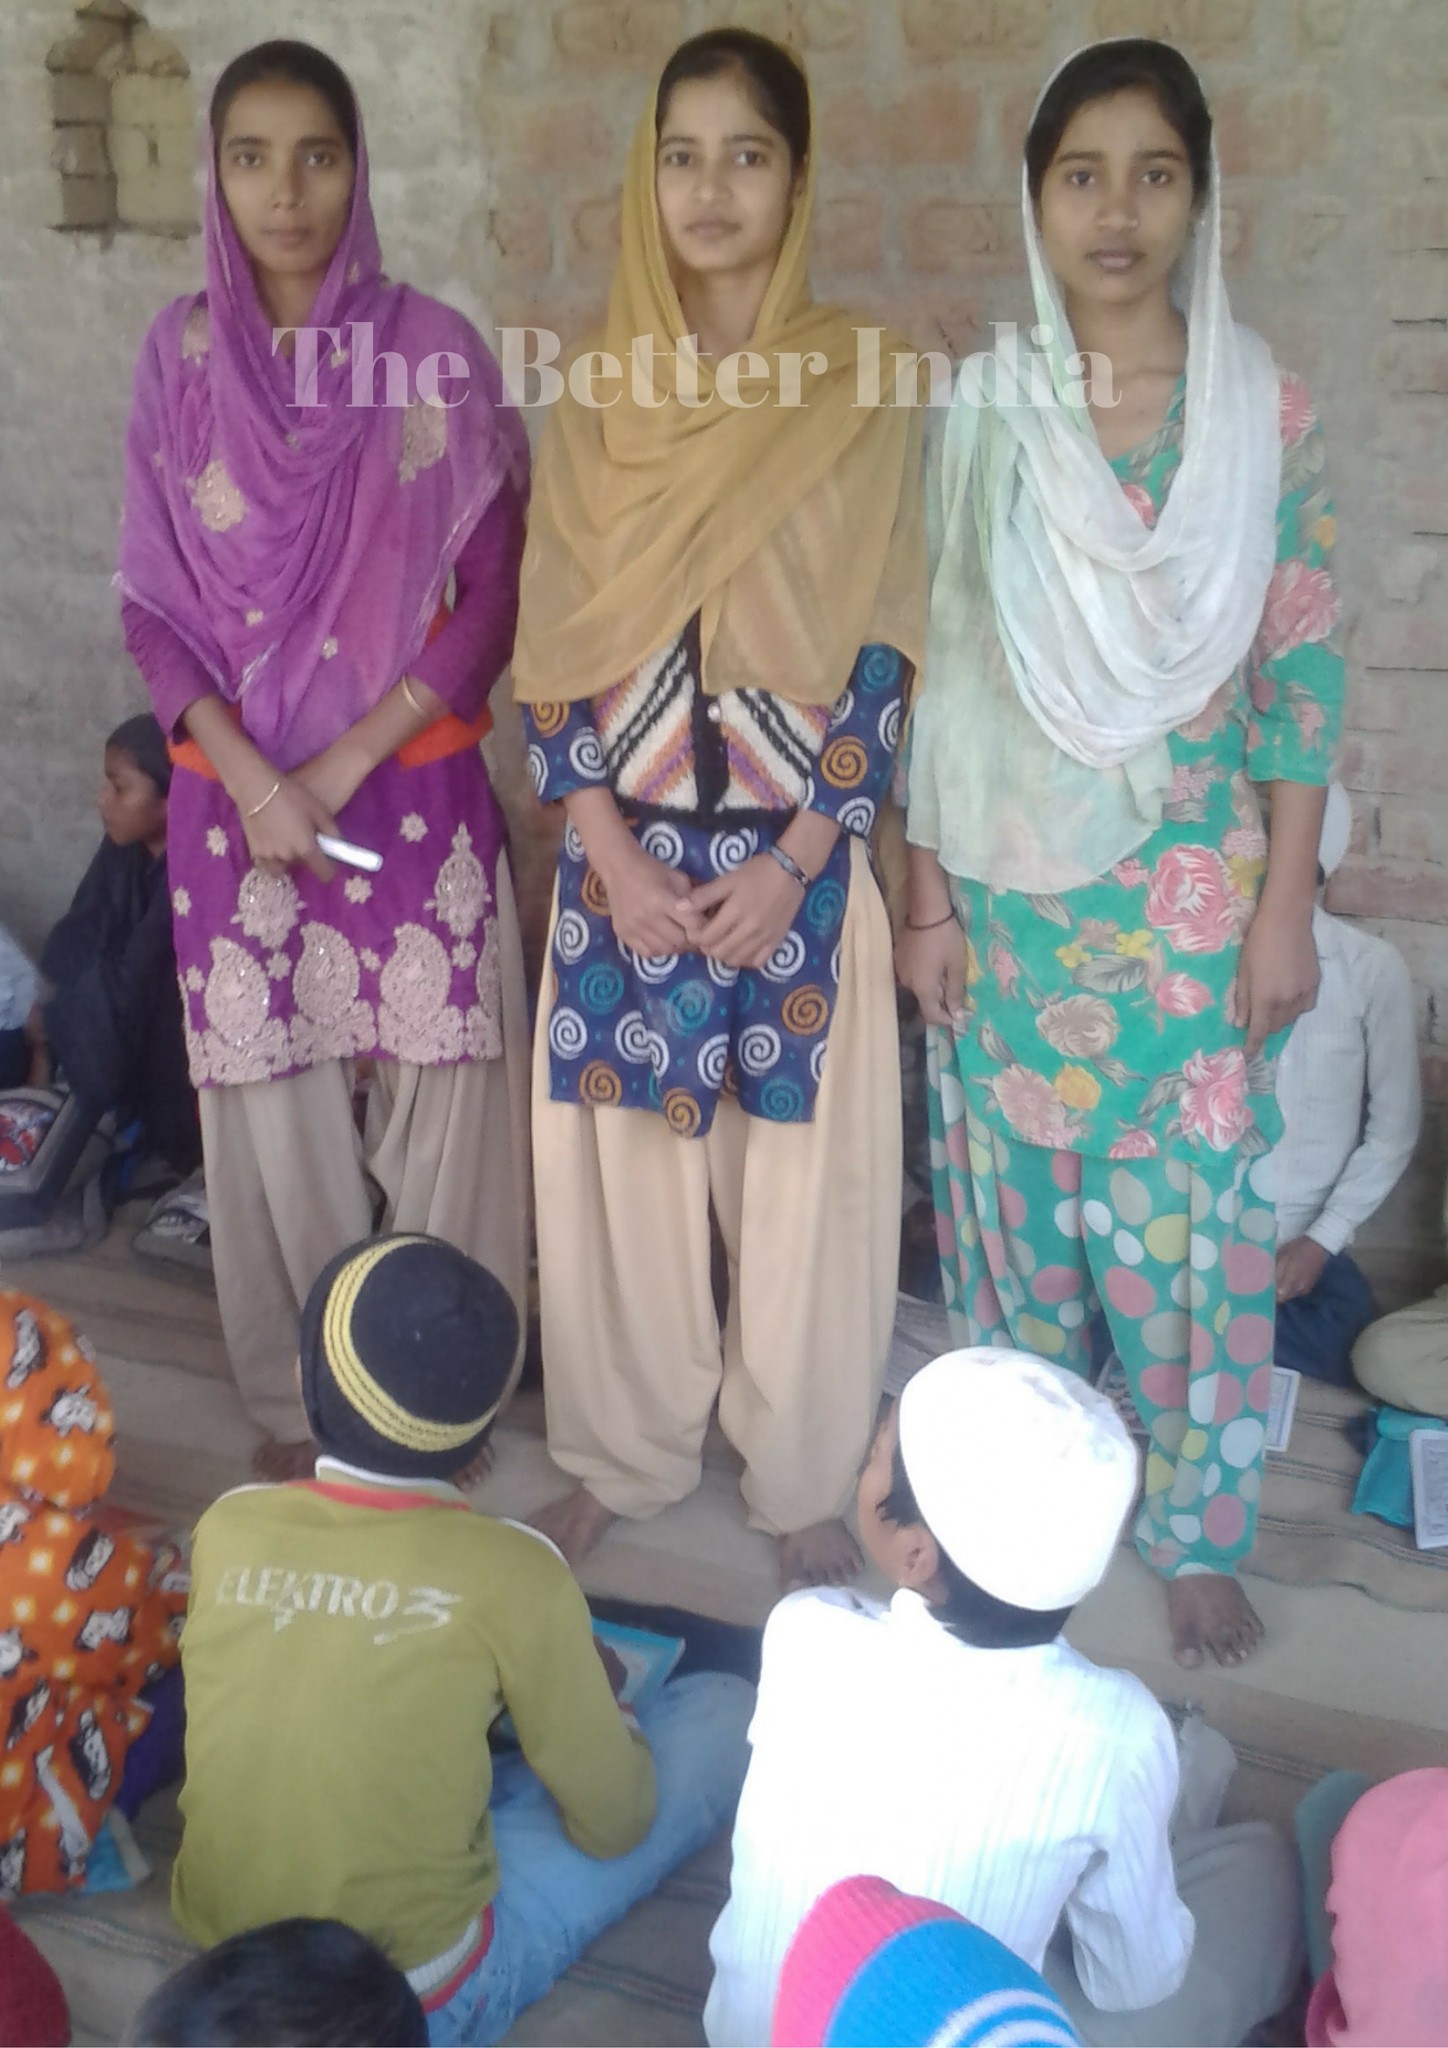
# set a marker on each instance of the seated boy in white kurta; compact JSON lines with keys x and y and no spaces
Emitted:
{"x":954,"y":1744}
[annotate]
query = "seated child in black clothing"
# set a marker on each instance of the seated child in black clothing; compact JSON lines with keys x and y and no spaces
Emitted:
{"x":109,"y":1019}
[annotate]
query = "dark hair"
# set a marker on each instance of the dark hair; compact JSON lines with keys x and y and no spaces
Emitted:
{"x":775,"y":79}
{"x":967,"y":1610}
{"x":1135,"y":63}
{"x":300,"y":1981}
{"x":141,"y":740}
{"x":298,"y":64}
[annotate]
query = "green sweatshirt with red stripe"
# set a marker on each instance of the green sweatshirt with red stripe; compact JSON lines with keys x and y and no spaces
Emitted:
{"x":348,"y":1644}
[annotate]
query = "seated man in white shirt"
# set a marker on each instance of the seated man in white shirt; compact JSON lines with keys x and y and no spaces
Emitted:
{"x":1347,"y":1085}
{"x":953,"y":1744}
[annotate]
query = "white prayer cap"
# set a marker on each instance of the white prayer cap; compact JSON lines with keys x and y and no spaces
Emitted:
{"x":1336,"y":828}
{"x":1022,"y":1472}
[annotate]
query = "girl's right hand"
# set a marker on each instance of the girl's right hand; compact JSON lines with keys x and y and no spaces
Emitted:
{"x":931,"y":964}
{"x":283,"y":834}
{"x":649,"y":904}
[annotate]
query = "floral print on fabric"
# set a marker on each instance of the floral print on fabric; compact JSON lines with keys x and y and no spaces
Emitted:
{"x":669,"y":1034}
{"x":1168,"y":1261}
{"x":1105,"y":1020}
{"x":282,"y":973}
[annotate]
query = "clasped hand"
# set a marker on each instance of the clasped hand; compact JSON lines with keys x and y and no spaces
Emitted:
{"x":740,"y":920}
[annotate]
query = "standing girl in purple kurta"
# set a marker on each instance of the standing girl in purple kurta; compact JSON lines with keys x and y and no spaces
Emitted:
{"x":319,"y":581}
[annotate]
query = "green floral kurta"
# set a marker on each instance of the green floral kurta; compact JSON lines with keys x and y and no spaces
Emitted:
{"x":1103,"y":1020}
{"x":1093,"y":1123}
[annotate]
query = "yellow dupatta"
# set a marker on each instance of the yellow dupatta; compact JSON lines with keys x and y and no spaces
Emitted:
{"x":795,"y":531}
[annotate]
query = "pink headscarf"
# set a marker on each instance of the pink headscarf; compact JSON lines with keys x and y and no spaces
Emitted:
{"x":1388,"y":1985}
{"x":301,"y":553}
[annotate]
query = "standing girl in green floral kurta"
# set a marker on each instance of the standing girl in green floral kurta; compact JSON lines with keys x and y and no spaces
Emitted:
{"x":1132,"y":625}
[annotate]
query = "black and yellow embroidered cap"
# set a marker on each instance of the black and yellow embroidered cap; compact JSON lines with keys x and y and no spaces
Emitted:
{"x":406,"y":1350}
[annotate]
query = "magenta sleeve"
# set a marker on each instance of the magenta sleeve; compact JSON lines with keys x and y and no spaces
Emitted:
{"x":174,"y":676}
{"x":474,"y":647}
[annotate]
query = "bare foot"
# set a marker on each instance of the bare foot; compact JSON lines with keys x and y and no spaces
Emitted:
{"x":1211,"y":1616}
{"x":825,"y":1554}
{"x":278,"y":1462}
{"x":574,"y":1523}
{"x":476,"y":1469}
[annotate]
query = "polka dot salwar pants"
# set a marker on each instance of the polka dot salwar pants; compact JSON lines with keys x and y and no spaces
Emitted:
{"x":1180,"y":1256}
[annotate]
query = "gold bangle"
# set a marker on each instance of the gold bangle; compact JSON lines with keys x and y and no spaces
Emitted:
{"x":407,"y":693}
{"x":257,"y":809}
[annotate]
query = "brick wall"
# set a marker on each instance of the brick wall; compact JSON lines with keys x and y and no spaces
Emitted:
{"x":498,"y":133}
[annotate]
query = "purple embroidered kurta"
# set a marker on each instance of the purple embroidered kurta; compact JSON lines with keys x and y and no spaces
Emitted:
{"x":290,"y":558}
{"x":279,"y":974}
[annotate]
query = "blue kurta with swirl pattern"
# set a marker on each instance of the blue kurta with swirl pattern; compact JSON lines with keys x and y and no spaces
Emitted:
{"x":705,"y":784}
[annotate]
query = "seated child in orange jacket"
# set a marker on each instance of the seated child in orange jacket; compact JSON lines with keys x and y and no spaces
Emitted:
{"x":88,"y":1614}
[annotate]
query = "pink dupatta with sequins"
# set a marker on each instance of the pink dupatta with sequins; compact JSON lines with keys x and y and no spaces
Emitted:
{"x":300,"y":551}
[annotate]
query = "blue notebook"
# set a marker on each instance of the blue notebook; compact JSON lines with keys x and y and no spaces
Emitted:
{"x":648,"y":1661}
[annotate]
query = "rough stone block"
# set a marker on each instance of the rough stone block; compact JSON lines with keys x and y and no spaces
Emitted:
{"x":950,"y":322}
{"x":779,"y":19}
{"x":87,"y":203}
{"x":1273,"y":134}
{"x":132,"y":151}
{"x":80,"y":152}
{"x":82,"y":52}
{"x":139,"y":101}
{"x":935,"y":123}
{"x":822,"y":27}
{"x":1212,"y":28}
{"x":1424,"y":500}
{"x":1419,"y":363}
{"x":593,"y":33}
{"x":1399,"y":637}
{"x":1413,"y":831}
{"x":556,"y":139}
{"x":1417,"y":223}
{"x":849,"y":233}
{"x":593,"y":232}
{"x":951,"y":236}
{"x":1396,"y":766}
{"x":570,"y":312}
{"x":1418,"y":286}
{"x":113,"y":62}
{"x":1416,"y":896}
{"x":1321,"y":24}
{"x":78,"y":96}
{"x":1239,"y":230}
{"x":156,"y":55}
{"x":504,"y":37}
{"x":940,"y":31}
{"x":521,"y":236}
{"x":158,"y":199}
{"x":829,"y":26}
{"x":1015,"y":124}
{"x":1313,"y":229}
{"x":1382,"y":702}
{"x":1406,"y":574}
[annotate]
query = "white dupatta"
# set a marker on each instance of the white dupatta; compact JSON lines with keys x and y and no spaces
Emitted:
{"x":1068,"y":638}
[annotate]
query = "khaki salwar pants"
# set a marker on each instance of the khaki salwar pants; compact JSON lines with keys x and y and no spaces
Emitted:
{"x":290,"y":1183}
{"x":633,"y":1356}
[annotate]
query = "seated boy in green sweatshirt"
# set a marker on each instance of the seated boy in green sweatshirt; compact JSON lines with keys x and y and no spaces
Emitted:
{"x":352,"y":1637}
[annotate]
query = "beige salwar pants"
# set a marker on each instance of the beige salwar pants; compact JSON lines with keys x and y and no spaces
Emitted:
{"x":1403,"y":1358}
{"x":810,"y":1218}
{"x":290,"y":1183}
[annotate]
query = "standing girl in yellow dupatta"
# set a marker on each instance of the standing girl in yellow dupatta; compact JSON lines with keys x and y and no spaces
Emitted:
{"x":722,"y":606}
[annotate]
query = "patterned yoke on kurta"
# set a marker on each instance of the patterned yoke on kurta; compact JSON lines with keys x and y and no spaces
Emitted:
{"x":1104,"y":1023}
{"x":707,"y":784}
